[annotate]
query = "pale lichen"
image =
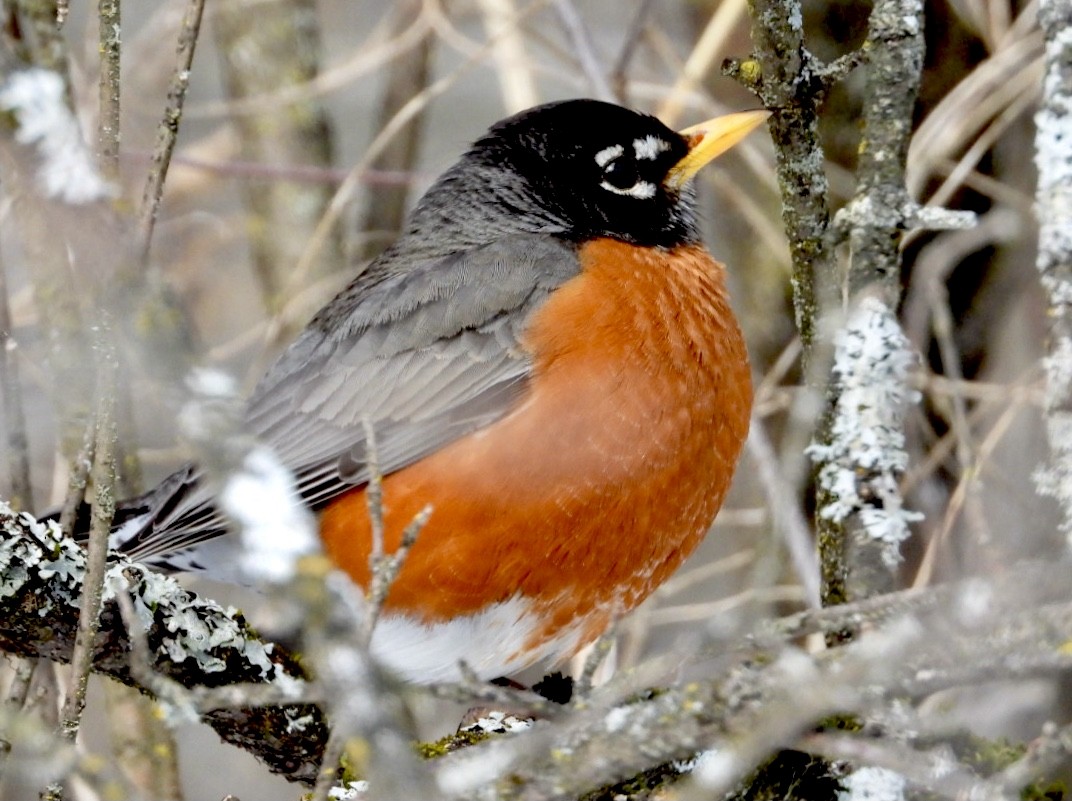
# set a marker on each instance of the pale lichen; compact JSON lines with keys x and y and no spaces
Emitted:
{"x":67,"y":170}
{"x":872,"y":784}
{"x":189,"y":628}
{"x":861,"y":464}
{"x":349,"y":791}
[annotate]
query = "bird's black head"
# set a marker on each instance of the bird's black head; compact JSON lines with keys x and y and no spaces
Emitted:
{"x":577,"y":169}
{"x":599,"y":168}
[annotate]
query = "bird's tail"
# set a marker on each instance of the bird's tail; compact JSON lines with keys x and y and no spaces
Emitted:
{"x":162,"y":527}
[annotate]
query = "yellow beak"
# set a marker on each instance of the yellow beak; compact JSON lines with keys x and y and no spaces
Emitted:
{"x":711,"y":139}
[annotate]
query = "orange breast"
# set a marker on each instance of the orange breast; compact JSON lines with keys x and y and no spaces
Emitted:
{"x":601,"y":482}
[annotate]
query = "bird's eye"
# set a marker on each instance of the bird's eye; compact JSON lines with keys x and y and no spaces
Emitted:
{"x":621,"y":173}
{"x":622,"y":178}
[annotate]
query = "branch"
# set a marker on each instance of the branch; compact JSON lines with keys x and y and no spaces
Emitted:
{"x":168,"y":131}
{"x":104,"y":484}
{"x":406,"y":76}
{"x":108,"y":124}
{"x":790,"y":82}
{"x":194,"y":643}
{"x":1053,"y":199}
{"x":760,"y":696}
{"x":861,"y":455}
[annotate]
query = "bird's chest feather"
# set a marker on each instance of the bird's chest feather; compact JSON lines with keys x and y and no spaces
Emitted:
{"x":582,"y":500}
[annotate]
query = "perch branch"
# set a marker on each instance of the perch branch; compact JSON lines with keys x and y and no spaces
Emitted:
{"x":193,"y":642}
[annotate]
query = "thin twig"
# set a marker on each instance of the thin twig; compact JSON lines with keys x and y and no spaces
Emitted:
{"x":386,"y":209}
{"x":17,"y":441}
{"x":22,"y":673}
{"x":1015,"y":395}
{"x":633,"y":36}
{"x":385,"y":570}
{"x":583,"y":45}
{"x":103,"y":476}
{"x":168,"y":131}
{"x":141,"y":741}
{"x":78,"y":480}
{"x":787,"y":517}
{"x":470,"y":688}
{"x":329,"y":767}
{"x":968,"y":481}
{"x":707,"y":49}
{"x":599,"y":652}
{"x":712,"y":610}
{"x":108,"y":12}
{"x":141,"y":658}
{"x":373,"y":494}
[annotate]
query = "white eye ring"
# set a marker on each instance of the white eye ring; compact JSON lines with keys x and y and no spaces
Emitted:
{"x":641,"y":189}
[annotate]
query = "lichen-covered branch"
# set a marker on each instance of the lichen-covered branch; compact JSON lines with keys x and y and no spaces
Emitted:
{"x":108,"y":19}
{"x":861,"y":457}
{"x":791,"y":84}
{"x":857,"y":554}
{"x":194,"y":643}
{"x":770,"y":695}
{"x":1053,"y":201}
{"x":759,"y":697}
{"x":895,"y":62}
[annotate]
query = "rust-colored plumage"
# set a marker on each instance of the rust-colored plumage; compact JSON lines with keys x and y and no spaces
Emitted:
{"x":604,"y":478}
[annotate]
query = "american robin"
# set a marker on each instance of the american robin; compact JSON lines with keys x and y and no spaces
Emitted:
{"x":548,"y":357}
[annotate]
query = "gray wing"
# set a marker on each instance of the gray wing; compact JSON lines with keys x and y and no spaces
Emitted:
{"x":427,"y":354}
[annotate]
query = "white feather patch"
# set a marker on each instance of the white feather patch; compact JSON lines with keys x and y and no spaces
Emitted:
{"x":608,"y":154}
{"x":649,"y":147}
{"x":492,"y":642}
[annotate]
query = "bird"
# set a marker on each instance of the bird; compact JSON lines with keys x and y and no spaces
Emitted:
{"x":548,"y":358}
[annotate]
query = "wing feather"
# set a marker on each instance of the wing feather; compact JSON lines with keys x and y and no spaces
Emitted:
{"x":428,"y":354}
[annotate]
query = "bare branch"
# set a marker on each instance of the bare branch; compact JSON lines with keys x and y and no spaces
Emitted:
{"x":517,"y":84}
{"x":584,"y":47}
{"x":103,"y":510}
{"x":16,"y":441}
{"x":406,"y":76}
{"x":168,"y":131}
